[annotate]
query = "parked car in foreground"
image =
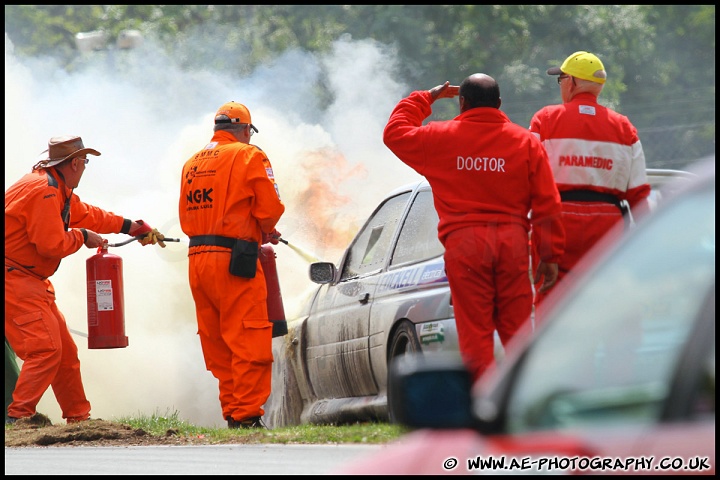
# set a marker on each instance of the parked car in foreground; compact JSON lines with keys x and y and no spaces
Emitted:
{"x":618,"y":379}
{"x":387,"y":297}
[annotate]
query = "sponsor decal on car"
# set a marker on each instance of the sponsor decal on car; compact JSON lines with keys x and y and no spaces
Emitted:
{"x":432,"y":332}
{"x":421,"y":276}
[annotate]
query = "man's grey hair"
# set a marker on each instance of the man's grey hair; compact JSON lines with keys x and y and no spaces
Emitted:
{"x":230,"y":127}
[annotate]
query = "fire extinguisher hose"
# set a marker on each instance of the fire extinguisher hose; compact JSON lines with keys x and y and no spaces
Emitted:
{"x":120,"y":244}
{"x":309,"y":257}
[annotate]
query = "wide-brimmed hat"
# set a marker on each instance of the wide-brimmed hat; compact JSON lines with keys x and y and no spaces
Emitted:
{"x":63,"y":148}
{"x":583,"y":65}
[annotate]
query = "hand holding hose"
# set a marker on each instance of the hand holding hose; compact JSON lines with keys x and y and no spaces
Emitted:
{"x":272,"y":237}
{"x":145,"y":234}
{"x":152,"y":238}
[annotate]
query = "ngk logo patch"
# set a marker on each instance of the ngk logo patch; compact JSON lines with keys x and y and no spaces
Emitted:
{"x":200,"y":198}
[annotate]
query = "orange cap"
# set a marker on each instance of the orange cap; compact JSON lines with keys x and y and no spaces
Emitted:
{"x":233,"y":112}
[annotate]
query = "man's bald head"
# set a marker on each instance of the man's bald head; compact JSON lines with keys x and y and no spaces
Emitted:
{"x":479,"y":90}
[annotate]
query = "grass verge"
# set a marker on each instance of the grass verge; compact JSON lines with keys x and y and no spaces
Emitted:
{"x":368,"y":432}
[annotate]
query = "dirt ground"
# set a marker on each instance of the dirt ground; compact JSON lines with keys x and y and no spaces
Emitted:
{"x":38,"y":431}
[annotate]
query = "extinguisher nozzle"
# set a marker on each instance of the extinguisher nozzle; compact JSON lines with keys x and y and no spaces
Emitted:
{"x":283,"y":241}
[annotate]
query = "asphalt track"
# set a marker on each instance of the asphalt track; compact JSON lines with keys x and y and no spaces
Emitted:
{"x":271,"y":459}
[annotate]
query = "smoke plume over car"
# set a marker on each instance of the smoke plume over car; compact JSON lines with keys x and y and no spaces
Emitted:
{"x":147,"y":115}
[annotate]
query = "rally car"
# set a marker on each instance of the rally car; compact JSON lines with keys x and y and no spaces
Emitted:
{"x":387,"y":297}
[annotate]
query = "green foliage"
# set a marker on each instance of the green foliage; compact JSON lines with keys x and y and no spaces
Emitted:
{"x":660,"y":58}
{"x":370,"y":433}
{"x":48,"y":29}
{"x":157,"y":424}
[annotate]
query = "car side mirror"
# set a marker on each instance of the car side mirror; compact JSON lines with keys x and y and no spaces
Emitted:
{"x":322,"y":272}
{"x":430,"y":391}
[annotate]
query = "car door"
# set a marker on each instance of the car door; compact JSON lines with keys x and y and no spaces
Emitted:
{"x":413,"y":291}
{"x":338,"y":357}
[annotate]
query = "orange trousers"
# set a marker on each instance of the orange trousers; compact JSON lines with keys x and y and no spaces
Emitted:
{"x":487,"y":268}
{"x":235,"y":333}
{"x":37,"y":332}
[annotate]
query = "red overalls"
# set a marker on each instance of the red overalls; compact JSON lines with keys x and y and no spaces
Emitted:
{"x":596,"y":158}
{"x":486,"y":174}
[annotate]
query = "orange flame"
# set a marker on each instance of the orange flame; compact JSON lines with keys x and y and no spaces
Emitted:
{"x":321,"y":200}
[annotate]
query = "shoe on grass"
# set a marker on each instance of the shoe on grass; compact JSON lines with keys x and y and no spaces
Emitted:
{"x":248,"y":423}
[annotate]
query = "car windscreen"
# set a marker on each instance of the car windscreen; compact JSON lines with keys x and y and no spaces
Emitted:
{"x":608,"y":352}
{"x":372,"y":244}
{"x":418,"y":238}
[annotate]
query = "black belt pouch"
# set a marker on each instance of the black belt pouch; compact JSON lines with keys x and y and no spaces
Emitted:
{"x":243,"y":262}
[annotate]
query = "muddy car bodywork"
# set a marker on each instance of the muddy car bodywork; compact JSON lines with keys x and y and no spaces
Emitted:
{"x":388,"y":296}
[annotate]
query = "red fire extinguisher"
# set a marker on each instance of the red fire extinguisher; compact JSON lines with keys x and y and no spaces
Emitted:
{"x":276,"y":311}
{"x":105,"y":305}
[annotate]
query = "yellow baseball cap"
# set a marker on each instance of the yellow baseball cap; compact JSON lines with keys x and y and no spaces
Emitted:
{"x":583,"y":65}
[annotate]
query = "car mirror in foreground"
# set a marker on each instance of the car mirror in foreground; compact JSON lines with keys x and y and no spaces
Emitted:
{"x":322,"y":272}
{"x":430,"y":391}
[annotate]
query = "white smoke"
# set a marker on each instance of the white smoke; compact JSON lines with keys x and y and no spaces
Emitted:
{"x":146,"y":115}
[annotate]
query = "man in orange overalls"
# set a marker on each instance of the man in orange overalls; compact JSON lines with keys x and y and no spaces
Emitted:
{"x":229,"y":205}
{"x":44,"y":223}
{"x":486,"y":174}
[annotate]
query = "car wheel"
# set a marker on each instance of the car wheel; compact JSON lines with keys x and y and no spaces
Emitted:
{"x":404,"y":341}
